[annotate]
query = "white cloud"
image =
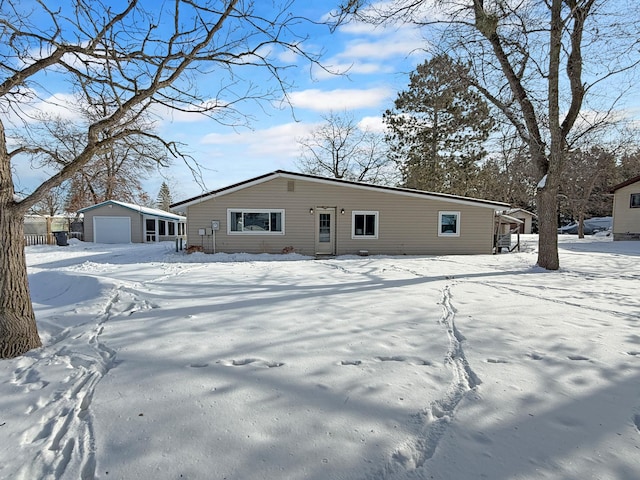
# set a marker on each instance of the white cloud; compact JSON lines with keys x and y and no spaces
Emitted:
{"x":383,"y":52}
{"x":340,"y":99}
{"x":372,"y":124}
{"x":279,"y":140}
{"x":59,"y":105}
{"x":402,"y":43}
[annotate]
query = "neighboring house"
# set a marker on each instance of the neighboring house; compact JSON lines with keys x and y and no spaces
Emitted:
{"x":626,"y":210}
{"x":284,"y":211}
{"x":525,"y":216}
{"x":119,"y":222}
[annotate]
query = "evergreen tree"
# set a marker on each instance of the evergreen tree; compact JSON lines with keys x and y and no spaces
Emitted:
{"x":164,"y":199}
{"x":438,"y":129}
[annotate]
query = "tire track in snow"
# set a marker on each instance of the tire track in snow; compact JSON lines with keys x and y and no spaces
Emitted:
{"x":63,"y":440}
{"x":431,"y":424}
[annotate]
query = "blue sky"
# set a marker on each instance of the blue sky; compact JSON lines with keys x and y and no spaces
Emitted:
{"x":375,"y":62}
{"x":376,"y":65}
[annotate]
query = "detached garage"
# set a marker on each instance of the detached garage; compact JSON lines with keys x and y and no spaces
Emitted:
{"x":118,"y":222}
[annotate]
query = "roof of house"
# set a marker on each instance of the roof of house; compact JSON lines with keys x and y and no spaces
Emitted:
{"x":624,"y":184}
{"x":136,"y":208}
{"x":513,"y":211}
{"x":335,"y":181}
{"x":509,"y":218}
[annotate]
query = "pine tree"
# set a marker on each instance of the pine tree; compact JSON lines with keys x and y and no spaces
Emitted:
{"x":438,"y":129}
{"x":164,"y":199}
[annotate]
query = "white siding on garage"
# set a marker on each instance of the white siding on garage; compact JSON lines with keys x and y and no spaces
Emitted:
{"x":112,"y":229}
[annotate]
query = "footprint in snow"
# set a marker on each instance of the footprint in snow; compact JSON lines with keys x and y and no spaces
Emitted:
{"x":496,"y":360}
{"x":577,"y":357}
{"x":249,"y":361}
{"x":351,"y":362}
{"x":396,"y":358}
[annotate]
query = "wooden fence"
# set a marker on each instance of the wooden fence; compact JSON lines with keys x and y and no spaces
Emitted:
{"x":47,"y":238}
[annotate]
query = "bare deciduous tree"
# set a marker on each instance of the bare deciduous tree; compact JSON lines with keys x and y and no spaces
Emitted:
{"x":585,"y":178}
{"x":139,"y":56}
{"x":340,"y":148}
{"x":540,"y":63}
{"x":114,"y":172}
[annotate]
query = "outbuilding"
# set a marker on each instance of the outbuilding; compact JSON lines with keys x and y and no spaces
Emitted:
{"x":527,"y":220}
{"x":119,"y":222}
{"x":294,"y":212}
{"x":626,"y":210}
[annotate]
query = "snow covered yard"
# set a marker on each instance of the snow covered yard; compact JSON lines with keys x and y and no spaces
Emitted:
{"x":163,"y":365}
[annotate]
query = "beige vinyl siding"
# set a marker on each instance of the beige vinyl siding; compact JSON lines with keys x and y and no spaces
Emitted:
{"x":407,"y":225}
{"x":626,"y":220}
{"x":113,"y":211}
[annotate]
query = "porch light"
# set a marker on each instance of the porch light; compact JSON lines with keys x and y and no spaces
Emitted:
{"x":342,"y":212}
{"x":311,"y":211}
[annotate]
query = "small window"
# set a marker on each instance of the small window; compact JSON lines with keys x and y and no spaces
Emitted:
{"x":449,"y":224}
{"x":162,"y":227}
{"x":256,"y":222}
{"x":365,"y":225}
{"x":172,"y":228}
{"x":635,"y":200}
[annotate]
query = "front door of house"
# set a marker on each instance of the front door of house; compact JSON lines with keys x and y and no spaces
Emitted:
{"x":325,"y":231}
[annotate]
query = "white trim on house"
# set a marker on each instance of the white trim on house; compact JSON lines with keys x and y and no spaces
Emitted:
{"x":259,"y":231}
{"x":364,"y":235}
{"x":441,"y":231}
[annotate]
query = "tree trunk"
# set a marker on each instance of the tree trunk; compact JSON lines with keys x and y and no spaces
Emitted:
{"x":547,"y":202}
{"x":18,"y":331}
{"x":548,"y":195}
{"x":581,"y":224}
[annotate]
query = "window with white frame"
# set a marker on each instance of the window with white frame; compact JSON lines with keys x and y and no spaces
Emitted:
{"x":635,"y":200}
{"x":364,"y":224}
{"x":255,"y":221}
{"x":448,"y":224}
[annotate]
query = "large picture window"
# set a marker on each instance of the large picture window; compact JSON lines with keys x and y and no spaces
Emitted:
{"x":365,"y":225}
{"x":255,"y":221}
{"x":635,"y":200}
{"x":448,"y":224}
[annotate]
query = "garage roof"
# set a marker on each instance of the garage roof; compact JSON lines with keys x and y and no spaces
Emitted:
{"x":153,"y":212}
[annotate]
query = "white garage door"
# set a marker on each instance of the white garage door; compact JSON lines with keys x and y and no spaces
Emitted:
{"x":111,"y":229}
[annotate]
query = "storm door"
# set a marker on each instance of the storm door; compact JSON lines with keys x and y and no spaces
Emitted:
{"x":325,"y":231}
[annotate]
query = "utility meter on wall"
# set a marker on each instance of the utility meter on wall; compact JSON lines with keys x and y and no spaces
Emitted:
{"x":215,"y":224}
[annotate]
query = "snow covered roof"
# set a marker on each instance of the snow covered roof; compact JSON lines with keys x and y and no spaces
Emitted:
{"x":365,"y":186}
{"x":513,"y":211}
{"x":137,"y":208}
{"x":509,"y":218}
